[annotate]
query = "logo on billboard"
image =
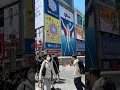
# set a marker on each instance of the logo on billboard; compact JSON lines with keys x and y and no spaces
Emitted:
{"x":66,"y":15}
{"x":53,"y":29}
{"x":52,"y":5}
{"x":51,"y":8}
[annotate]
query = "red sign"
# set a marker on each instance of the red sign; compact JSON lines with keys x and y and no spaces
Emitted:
{"x":3,"y":46}
{"x":53,"y":51}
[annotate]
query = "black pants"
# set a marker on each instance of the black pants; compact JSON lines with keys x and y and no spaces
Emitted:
{"x":78,"y":83}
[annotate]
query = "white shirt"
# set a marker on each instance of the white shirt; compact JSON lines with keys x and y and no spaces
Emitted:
{"x":49,"y":68}
{"x":98,"y":84}
{"x":76,"y":69}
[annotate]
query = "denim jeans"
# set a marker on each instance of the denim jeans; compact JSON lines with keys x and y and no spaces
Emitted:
{"x":78,"y":83}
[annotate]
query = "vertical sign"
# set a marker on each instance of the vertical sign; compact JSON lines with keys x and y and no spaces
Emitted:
{"x":67,"y":32}
{"x":39,"y":13}
{"x":30,"y":20}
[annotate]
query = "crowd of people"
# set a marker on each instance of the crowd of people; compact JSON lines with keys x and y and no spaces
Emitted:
{"x":18,"y":80}
{"x":48,"y":72}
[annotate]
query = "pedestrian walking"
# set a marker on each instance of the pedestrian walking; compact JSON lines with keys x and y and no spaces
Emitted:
{"x":77,"y":75}
{"x":46,"y":72}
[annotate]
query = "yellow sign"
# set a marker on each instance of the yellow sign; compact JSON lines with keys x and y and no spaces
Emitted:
{"x":52,"y":27}
{"x":30,"y":20}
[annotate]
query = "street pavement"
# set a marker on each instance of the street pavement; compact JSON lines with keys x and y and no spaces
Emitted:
{"x":66,"y":81}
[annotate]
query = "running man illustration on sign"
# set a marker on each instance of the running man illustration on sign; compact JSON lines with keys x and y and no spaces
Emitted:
{"x":68,"y":32}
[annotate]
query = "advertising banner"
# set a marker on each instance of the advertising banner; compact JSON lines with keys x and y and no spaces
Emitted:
{"x":52,"y":45}
{"x":80,"y":34}
{"x":39,"y":37}
{"x":39,"y":13}
{"x":29,"y":46}
{"x":30,"y":20}
{"x":108,"y":20}
{"x":53,"y":51}
{"x":80,"y":45}
{"x":66,"y":14}
{"x":11,"y":25}
{"x":52,"y":30}
{"x":52,"y":8}
{"x":67,"y":32}
{"x":68,"y":38}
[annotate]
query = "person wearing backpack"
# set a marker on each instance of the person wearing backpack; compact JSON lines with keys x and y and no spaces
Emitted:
{"x":77,"y":75}
{"x":46,"y":72}
{"x":81,"y":67}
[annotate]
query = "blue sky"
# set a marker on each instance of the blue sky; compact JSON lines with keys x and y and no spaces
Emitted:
{"x":80,"y":5}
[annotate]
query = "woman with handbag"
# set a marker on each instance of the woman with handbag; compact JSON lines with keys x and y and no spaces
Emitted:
{"x":46,"y":72}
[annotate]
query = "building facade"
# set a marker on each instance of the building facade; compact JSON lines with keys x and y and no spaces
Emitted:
{"x":16,"y":16}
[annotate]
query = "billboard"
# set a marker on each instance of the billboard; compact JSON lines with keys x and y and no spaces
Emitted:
{"x":108,"y":20}
{"x":68,"y":38}
{"x":52,"y":28}
{"x":80,"y":45}
{"x":51,"y":8}
{"x":53,"y":51}
{"x":67,"y":32}
{"x":78,"y":18}
{"x":39,"y":13}
{"x":52,"y":31}
{"x":52,"y":45}
{"x":29,"y":46}
{"x":30,"y":20}
{"x":11,"y":24}
{"x":80,"y":34}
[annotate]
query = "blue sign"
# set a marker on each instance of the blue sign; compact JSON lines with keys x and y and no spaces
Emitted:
{"x":68,"y":38}
{"x":52,"y":45}
{"x":29,"y":46}
{"x":52,"y":8}
{"x":80,"y":45}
